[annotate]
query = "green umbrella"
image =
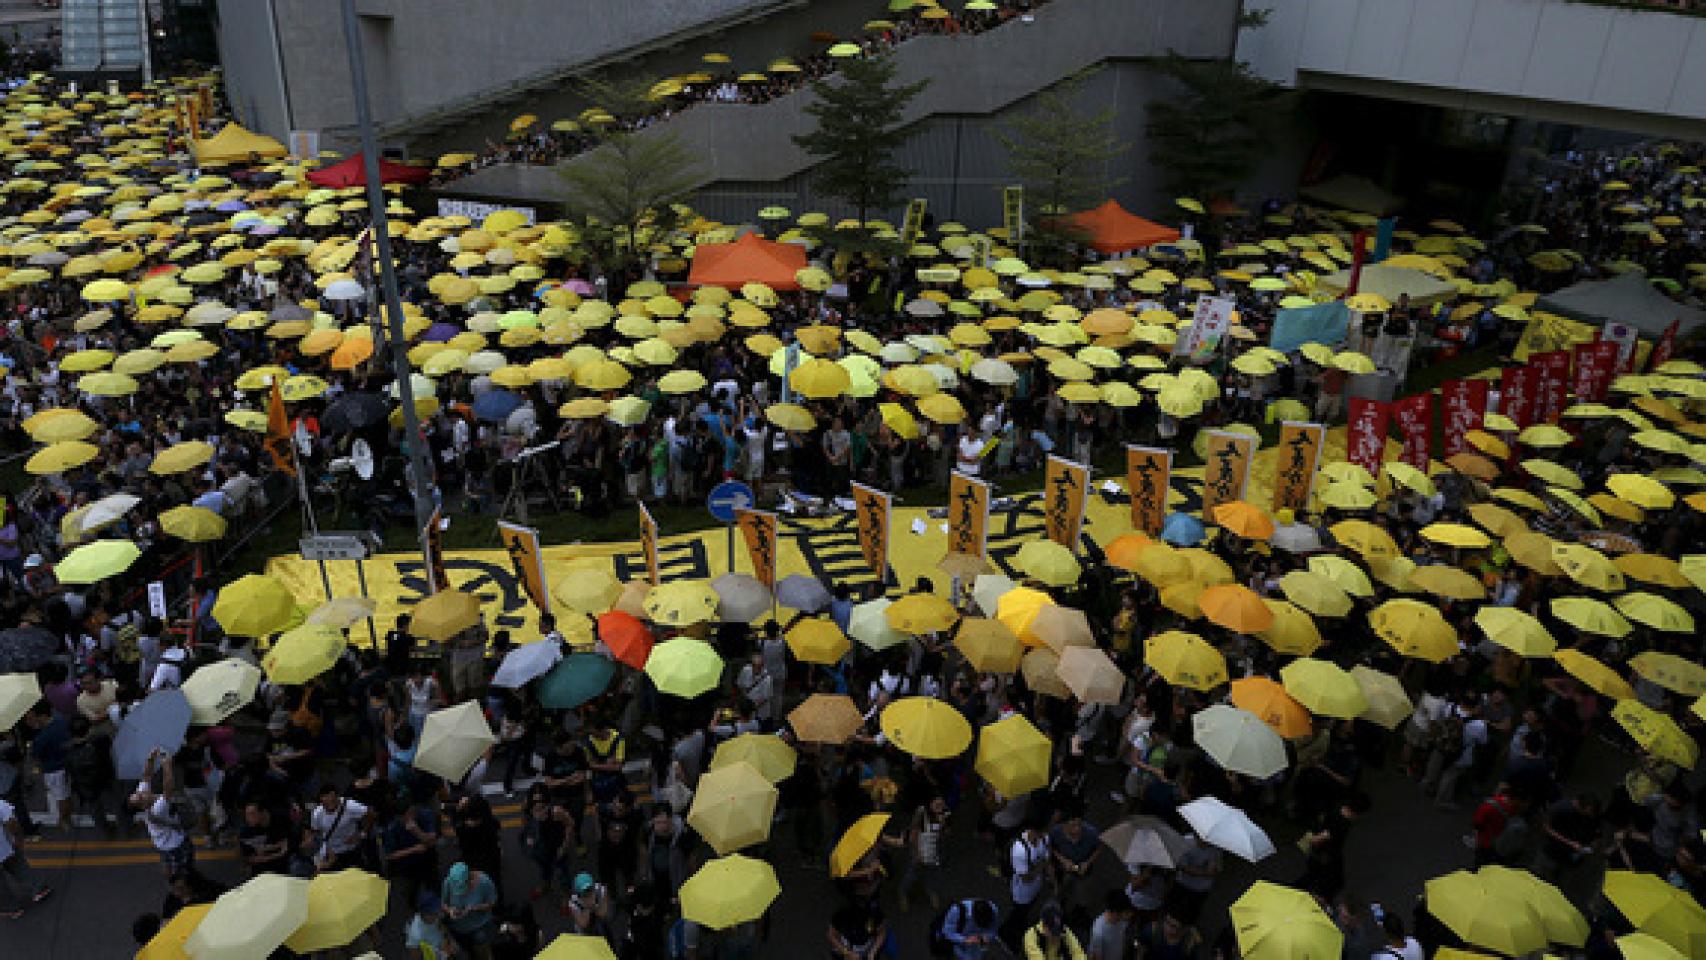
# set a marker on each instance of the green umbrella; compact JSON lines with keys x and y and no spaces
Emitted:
{"x":685,"y":667}
{"x":576,"y":679}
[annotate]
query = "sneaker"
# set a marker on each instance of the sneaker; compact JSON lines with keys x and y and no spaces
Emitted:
{"x":42,"y":894}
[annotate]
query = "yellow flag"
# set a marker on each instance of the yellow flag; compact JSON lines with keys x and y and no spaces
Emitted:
{"x":649,"y":543}
{"x":522,"y":544}
{"x":1148,"y":471}
{"x":1064,"y":488}
{"x":759,"y":529}
{"x":968,"y":515}
{"x":1295,"y":461}
{"x":872,"y":508}
{"x":1226,"y":468}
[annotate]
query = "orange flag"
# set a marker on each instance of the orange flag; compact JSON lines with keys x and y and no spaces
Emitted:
{"x":277,"y":442}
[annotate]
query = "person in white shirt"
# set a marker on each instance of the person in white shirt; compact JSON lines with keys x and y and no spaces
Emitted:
{"x":169,"y":672}
{"x":1399,"y":945}
{"x":15,"y":873}
{"x":1029,"y":858}
{"x":165,"y":825}
{"x":969,"y":458}
{"x":337,"y":829}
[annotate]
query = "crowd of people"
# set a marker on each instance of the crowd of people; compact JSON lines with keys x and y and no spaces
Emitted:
{"x":318,"y":776}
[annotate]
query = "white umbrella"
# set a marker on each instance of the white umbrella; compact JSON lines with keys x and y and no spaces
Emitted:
{"x":870,"y":626}
{"x":252,"y":920}
{"x":1228,"y":828}
{"x":18,"y":693}
{"x":218,"y":690}
{"x":108,"y":509}
{"x":1239,"y":741}
{"x":452,"y":740}
{"x":1139,"y":840}
{"x":343,"y":612}
{"x":526,"y":662}
{"x":1296,"y":538}
{"x":741,"y":598}
{"x":987,"y":589}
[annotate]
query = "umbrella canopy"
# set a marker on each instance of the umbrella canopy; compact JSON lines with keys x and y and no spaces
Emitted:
{"x":1657,"y":908}
{"x":921,"y":613}
{"x":304,"y":653}
{"x":591,"y":590}
{"x":1668,"y":670}
{"x":24,"y":648}
{"x":1013,"y":755}
{"x":1018,"y":608}
{"x":826,"y":718}
{"x":1269,"y":701}
{"x":1145,"y":840}
{"x":685,"y":667}
{"x":575,"y":679}
{"x":1239,"y":741}
{"x":797,"y":591}
{"x":817,"y":641}
{"x":728,"y":891}
{"x":626,"y":637}
{"x":1645,"y":946}
{"x":252,"y":920}
{"x":856,"y":842}
{"x":444,"y":615}
{"x":869,"y":624}
{"x":741,"y":598}
{"x":1597,"y":676}
{"x":1316,"y":593}
{"x":93,"y":562}
{"x":1323,"y":687}
{"x":254,"y":606}
{"x":168,"y":943}
{"x":1415,"y":629}
{"x":1657,"y":733}
{"x":989,"y":645}
{"x":18,"y":693}
{"x":1559,"y":917}
{"x":1272,"y":922}
{"x":526,"y":662}
{"x":1046,"y":561}
{"x":1228,"y":828}
{"x":1090,"y":674}
{"x":342,"y":612}
{"x":732,"y":807}
{"x":157,"y":723}
{"x":1465,"y":903}
{"x":768,"y":753}
{"x":1516,"y":631}
{"x":342,"y":905}
{"x":1235,"y":607}
{"x":1388,"y":703}
{"x":1591,"y":616}
{"x":452,"y":740}
{"x":926,"y":727}
{"x":1185,"y":660}
{"x":682,"y":603}
{"x":218,"y":690}
{"x":569,"y":946}
{"x":1294,"y":631}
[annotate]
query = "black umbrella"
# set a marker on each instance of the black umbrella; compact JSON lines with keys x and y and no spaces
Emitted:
{"x":25,"y":648}
{"x":354,"y":411}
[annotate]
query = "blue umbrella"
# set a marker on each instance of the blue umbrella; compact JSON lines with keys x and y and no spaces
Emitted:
{"x":1182,"y":530}
{"x":158,"y":723}
{"x":494,"y":406}
{"x":574,"y":681}
{"x":231,"y":206}
{"x":800,"y":592}
{"x":440,"y":332}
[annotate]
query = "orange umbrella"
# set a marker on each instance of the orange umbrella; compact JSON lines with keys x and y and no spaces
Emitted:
{"x":1122,"y":551}
{"x":351,"y":352}
{"x":1244,"y":519}
{"x":1268,"y":700}
{"x":1235,"y":607}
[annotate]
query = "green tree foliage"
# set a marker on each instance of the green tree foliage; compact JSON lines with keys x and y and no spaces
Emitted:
{"x":1061,"y":154}
{"x":1206,"y":139}
{"x":858,"y":115}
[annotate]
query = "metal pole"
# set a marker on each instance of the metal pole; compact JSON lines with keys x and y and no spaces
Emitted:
{"x":418,"y":463}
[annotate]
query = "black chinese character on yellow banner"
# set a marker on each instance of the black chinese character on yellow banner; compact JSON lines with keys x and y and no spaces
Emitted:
{"x":1064,"y":487}
{"x":1148,"y":471}
{"x":1295,"y":462}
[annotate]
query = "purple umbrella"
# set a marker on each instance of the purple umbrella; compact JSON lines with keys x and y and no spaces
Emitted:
{"x":440,"y":332}
{"x":581,"y":287}
{"x":231,"y":206}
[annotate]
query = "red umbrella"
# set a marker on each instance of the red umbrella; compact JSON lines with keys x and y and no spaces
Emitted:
{"x":628,"y":639}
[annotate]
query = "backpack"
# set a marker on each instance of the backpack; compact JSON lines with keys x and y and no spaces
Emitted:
{"x":89,"y":764}
{"x":940,"y":945}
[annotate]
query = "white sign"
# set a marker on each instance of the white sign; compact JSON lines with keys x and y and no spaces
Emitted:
{"x":334,"y":546}
{"x":157,"y":599}
{"x":476,"y":211}
{"x":1213,"y":317}
{"x":1625,"y":336}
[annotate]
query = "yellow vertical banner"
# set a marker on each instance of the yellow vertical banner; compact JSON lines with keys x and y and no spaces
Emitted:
{"x":759,"y":529}
{"x":649,"y":543}
{"x":968,"y":515}
{"x":522,"y":544}
{"x":1295,"y":460}
{"x":432,"y":539}
{"x":1226,"y":468}
{"x":1148,"y":471}
{"x":1013,"y":213}
{"x":1065,"y":486}
{"x":913,"y":225}
{"x":872,"y":508}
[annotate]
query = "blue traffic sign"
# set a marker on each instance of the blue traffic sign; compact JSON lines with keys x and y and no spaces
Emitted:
{"x":727,"y":497}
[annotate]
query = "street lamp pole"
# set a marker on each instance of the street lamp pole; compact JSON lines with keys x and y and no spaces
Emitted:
{"x":419,"y":464}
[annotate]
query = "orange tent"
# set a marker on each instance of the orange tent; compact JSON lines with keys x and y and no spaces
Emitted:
{"x":1111,"y":228}
{"x":751,"y":258}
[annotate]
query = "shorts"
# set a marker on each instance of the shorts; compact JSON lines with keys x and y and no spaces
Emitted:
{"x":58,"y":785}
{"x":179,"y":858}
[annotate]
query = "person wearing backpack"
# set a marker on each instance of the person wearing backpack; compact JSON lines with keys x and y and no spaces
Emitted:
{"x":965,"y":929}
{"x":1028,"y":863}
{"x":89,"y":766}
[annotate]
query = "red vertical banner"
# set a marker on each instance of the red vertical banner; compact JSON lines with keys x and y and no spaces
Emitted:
{"x":1518,"y":391}
{"x":1554,"y":372}
{"x":1596,"y":364}
{"x":1365,"y":433}
{"x":1416,"y":422}
{"x":1359,"y":254}
{"x":1666,"y":347}
{"x":1464,"y":405}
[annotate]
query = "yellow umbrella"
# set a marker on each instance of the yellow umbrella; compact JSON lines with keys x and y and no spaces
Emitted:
{"x":1018,"y":609}
{"x":1315,"y":593}
{"x":252,"y":920}
{"x":1365,"y":538}
{"x":220,"y":689}
{"x":60,"y":424}
{"x":569,"y":946}
{"x":304,"y":653}
{"x":989,"y":645}
{"x":818,"y":641}
{"x":1161,"y":564}
{"x":444,"y":615}
{"x":168,"y":943}
{"x":1324,"y":688}
{"x":180,"y":457}
{"x":1272,"y":922}
{"x":452,"y":740}
{"x":1185,"y":660}
{"x":728,"y":891}
{"x":590,"y":590}
{"x":1668,"y":670}
{"x":1465,"y":903}
{"x":254,"y":606}
{"x":926,"y":727}
{"x":1545,"y":436}
{"x":1388,"y":703}
{"x":921,"y":613}
{"x":856,"y":842}
{"x":1657,"y":733}
{"x":1456,"y":535}
{"x":790,"y":416}
{"x":1048,"y":562}
{"x":60,"y":457}
{"x":767,"y":753}
{"x":18,"y":693}
{"x":1404,"y":475}
{"x":1452,"y":583}
{"x":1652,"y":610}
{"x":685,"y":667}
{"x":825,"y":718}
{"x":1597,"y":676}
{"x":1344,"y":574}
{"x":1346,"y":496}
{"x":97,"y":561}
{"x":1651,"y":568}
{"x":1645,"y":946}
{"x":1591,"y":616}
{"x":820,"y":379}
{"x":1516,"y":631}
{"x":1642,"y":491}
{"x":1013,"y":755}
{"x":732,"y":807}
{"x":1488,"y":444}
{"x":1534,"y":551}
{"x":1587,"y":566}
{"x":1552,"y":473}
{"x":682,"y":603}
{"x":195,"y":524}
{"x":1497,"y":519}
{"x":1657,"y":908}
{"x":1294,"y":631}
{"x":342,"y":905}
{"x":1560,"y":919}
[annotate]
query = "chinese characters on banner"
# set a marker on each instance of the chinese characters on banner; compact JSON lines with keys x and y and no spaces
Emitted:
{"x":759,"y":529}
{"x":1465,"y":407}
{"x":1065,"y":485}
{"x":522,"y":544}
{"x":649,"y":543}
{"x":1666,"y":347}
{"x":968,"y":515}
{"x":1365,"y":433}
{"x":1148,"y":471}
{"x":1226,"y":468}
{"x":872,"y":507}
{"x":1295,"y":461}
{"x":914,"y":222}
{"x":1518,"y":390}
{"x":1013,"y":213}
{"x":1554,"y":372}
{"x":432,"y":540}
{"x":1416,"y":422}
{"x":1596,"y":365}
{"x":1213,"y":317}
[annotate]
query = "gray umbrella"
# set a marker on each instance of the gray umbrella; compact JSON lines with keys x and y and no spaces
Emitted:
{"x":1140,"y":840}
{"x":286,"y":312}
{"x":741,"y":598}
{"x":157,"y":723}
{"x":1296,"y":538}
{"x":23,"y":649}
{"x":800,"y":592}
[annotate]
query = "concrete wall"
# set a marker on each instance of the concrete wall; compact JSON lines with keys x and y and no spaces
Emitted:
{"x":974,"y":78}
{"x":1548,"y":59}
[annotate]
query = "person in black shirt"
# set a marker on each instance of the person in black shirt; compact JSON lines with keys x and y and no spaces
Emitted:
{"x":266,"y":841}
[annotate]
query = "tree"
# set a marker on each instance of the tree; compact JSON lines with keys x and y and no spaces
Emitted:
{"x":1060,"y":154}
{"x":858,"y":116}
{"x":1206,"y":139}
{"x":629,"y":182}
